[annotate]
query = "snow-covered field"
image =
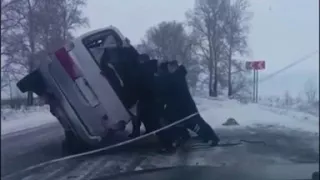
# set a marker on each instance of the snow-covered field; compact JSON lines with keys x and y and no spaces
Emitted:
{"x":16,"y":120}
{"x":302,"y":106}
{"x":214,"y":111}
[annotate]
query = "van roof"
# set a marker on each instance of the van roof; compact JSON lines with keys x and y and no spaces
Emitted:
{"x":101,"y":29}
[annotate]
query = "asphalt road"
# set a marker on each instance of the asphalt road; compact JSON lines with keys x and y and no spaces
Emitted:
{"x":24,"y":149}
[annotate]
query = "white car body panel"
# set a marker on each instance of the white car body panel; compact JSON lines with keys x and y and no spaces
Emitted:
{"x":86,"y":114}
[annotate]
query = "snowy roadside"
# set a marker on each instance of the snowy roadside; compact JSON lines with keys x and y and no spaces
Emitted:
{"x":16,"y":120}
{"x":217,"y":112}
{"x":305,"y":109}
{"x":214,"y":111}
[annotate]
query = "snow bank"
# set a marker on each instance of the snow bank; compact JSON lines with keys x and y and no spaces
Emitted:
{"x":292,"y":104}
{"x":16,"y":120}
{"x":217,"y":112}
{"x":296,"y":114}
{"x":214,"y":110}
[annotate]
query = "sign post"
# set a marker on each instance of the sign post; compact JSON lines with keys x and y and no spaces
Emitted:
{"x":254,"y":86}
{"x":257,"y":83}
{"x":255,"y":66}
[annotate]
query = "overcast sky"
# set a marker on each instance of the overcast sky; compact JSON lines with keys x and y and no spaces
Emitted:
{"x":282,"y":31}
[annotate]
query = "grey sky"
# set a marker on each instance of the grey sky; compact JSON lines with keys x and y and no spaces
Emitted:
{"x":282,"y":31}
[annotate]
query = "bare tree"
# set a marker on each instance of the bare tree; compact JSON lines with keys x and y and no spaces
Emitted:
{"x":288,"y":100}
{"x":206,"y":20}
{"x":240,"y":83}
{"x":54,"y":32}
{"x":221,"y":30}
{"x":236,"y":30}
{"x":169,"y":41}
{"x":5,"y":80}
{"x":8,"y":22}
{"x":298,"y":98}
{"x":39,"y":26}
{"x":310,"y":91}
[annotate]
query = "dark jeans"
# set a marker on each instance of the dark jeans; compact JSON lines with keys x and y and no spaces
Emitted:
{"x":170,"y":135}
{"x":147,"y":116}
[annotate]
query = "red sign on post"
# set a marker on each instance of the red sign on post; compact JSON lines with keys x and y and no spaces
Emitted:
{"x":255,"y":65}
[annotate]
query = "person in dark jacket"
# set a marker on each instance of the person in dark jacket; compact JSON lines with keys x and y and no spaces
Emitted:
{"x":151,"y":101}
{"x":180,"y":104}
{"x":170,"y":136}
{"x":119,"y":65}
{"x":166,"y":137}
{"x":145,"y":109}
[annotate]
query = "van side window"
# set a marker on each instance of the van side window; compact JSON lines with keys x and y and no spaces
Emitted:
{"x":110,"y":42}
{"x":98,"y":43}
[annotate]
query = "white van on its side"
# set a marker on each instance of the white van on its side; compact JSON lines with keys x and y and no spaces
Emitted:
{"x":81,"y":98}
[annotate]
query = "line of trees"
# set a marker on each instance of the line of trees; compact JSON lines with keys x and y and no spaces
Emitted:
{"x":307,"y":100}
{"x":30,"y":29}
{"x":212,"y":41}
{"x":308,"y":96}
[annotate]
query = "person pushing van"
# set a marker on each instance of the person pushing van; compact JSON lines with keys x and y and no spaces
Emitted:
{"x":180,"y":104}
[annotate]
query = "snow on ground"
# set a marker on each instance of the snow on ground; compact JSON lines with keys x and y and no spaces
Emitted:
{"x":214,"y":111}
{"x":17,"y":120}
{"x":295,"y":114}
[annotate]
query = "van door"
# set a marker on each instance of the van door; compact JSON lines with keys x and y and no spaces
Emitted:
{"x":118,"y":64}
{"x":89,"y":51}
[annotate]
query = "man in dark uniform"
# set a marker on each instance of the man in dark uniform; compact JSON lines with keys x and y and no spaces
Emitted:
{"x":150,"y":108}
{"x":161,"y":91}
{"x":180,"y":104}
{"x":170,"y":136}
{"x":119,"y":65}
{"x":145,"y":109}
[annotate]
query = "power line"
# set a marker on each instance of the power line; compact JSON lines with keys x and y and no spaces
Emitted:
{"x":289,"y":66}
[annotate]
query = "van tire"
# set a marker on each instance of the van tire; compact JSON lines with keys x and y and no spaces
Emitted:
{"x":33,"y":82}
{"x":72,"y":144}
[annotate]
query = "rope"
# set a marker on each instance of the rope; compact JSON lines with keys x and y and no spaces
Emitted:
{"x":125,"y":143}
{"x":102,"y":149}
{"x":241,"y":142}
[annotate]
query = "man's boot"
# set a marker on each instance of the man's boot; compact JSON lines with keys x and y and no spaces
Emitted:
{"x":135,"y":127}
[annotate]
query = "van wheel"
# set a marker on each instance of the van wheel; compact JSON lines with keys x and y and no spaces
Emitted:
{"x":72,"y":144}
